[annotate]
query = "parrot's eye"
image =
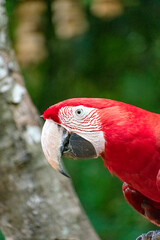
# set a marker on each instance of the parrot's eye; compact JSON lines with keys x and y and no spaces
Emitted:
{"x":79,"y":112}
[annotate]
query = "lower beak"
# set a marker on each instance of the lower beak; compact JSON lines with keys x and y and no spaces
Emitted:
{"x":76,"y":147}
{"x":57,"y":142}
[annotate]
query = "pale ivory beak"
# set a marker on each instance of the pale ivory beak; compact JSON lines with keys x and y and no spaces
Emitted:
{"x":52,"y":140}
{"x":57,"y":142}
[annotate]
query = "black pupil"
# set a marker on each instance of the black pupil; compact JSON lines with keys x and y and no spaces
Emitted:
{"x":78,"y":111}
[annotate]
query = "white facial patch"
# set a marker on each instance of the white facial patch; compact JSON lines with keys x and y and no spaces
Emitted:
{"x":88,"y":120}
{"x":85,"y":122}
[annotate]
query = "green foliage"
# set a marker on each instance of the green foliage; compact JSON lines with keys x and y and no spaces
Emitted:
{"x":1,"y":236}
{"x":118,"y":59}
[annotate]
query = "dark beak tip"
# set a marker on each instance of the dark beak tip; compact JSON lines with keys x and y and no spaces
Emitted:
{"x":64,"y":173}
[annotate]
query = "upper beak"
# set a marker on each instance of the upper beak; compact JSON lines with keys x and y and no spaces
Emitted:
{"x":52,"y":141}
{"x":57,"y":142}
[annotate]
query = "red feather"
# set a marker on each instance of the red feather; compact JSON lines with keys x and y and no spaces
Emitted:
{"x":132,"y":149}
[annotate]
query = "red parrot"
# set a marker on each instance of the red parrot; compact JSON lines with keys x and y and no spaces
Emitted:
{"x":126,"y":137}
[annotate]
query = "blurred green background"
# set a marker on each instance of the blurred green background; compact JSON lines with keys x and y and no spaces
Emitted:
{"x":102,"y":48}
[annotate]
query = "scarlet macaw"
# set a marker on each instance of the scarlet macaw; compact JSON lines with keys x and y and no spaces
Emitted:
{"x":126,"y":137}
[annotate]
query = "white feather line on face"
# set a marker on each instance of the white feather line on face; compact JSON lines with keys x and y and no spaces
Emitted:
{"x":51,"y":140}
{"x":87,"y":122}
{"x":87,"y":126}
{"x":96,"y":138}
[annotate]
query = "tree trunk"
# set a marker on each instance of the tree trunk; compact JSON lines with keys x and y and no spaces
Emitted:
{"x":35,"y":202}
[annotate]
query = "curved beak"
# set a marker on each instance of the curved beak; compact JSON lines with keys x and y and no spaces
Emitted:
{"x":52,"y":139}
{"x":57,"y":142}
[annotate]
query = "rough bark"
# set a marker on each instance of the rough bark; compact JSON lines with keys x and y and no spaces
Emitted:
{"x":35,"y":202}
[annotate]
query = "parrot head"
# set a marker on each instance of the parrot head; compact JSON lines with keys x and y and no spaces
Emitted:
{"x":125,"y":136}
{"x":73,"y":128}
